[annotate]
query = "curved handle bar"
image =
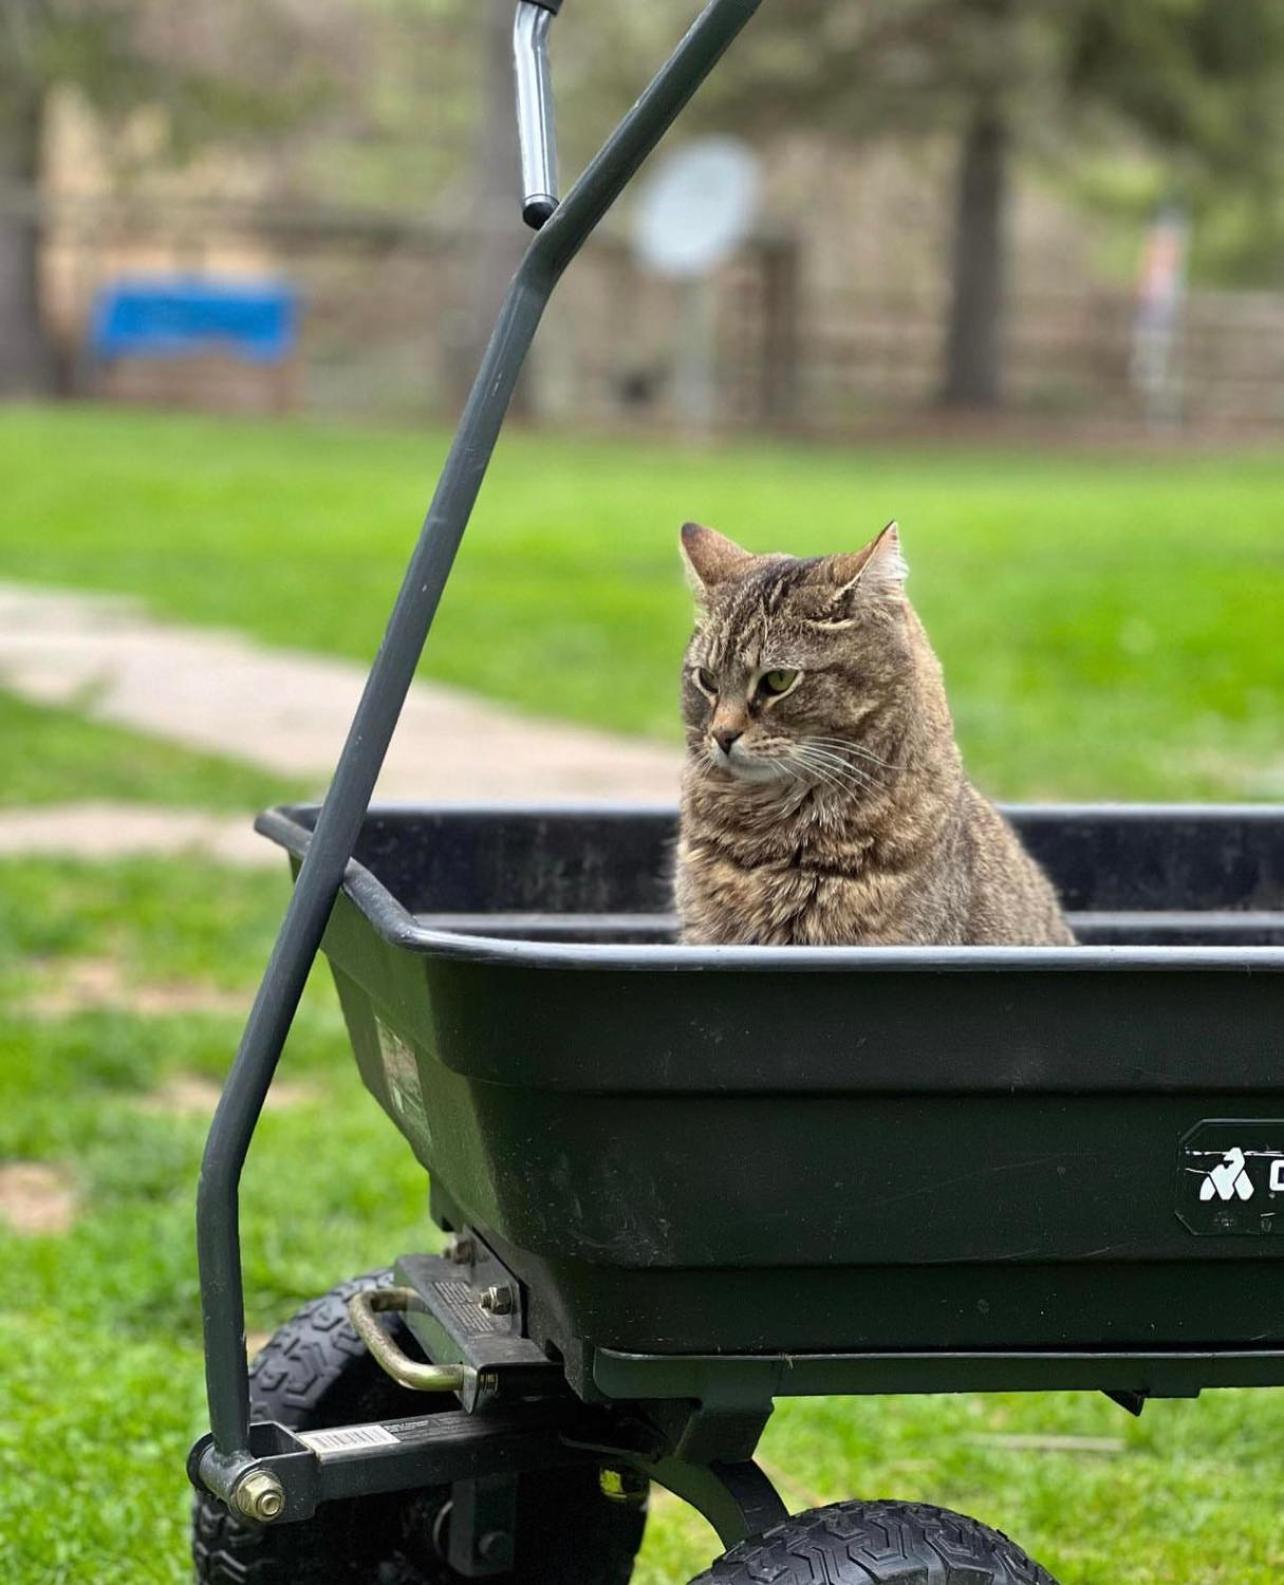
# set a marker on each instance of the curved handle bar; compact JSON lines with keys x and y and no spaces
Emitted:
{"x":218,"y":1242}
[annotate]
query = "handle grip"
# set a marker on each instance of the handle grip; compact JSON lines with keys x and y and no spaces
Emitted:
{"x":536,"y":128}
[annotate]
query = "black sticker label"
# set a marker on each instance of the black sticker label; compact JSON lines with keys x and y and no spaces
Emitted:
{"x":1230,"y":1177}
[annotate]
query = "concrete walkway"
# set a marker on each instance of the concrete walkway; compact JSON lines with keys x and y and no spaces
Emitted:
{"x":283,"y":710}
{"x":117,"y":831}
{"x":288,"y":711}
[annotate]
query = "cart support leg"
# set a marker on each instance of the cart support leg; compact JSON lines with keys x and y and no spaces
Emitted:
{"x":704,"y":1456}
{"x":217,"y":1227}
{"x":737,"y":1499}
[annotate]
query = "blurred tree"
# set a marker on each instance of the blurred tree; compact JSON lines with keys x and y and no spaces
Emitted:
{"x":602,"y":55}
{"x":26,"y":359}
{"x":212,"y":67}
{"x":1209,"y":109}
{"x":494,"y":201}
{"x":1198,"y":82}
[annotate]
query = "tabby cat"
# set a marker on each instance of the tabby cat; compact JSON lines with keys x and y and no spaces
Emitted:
{"x":824,"y":799}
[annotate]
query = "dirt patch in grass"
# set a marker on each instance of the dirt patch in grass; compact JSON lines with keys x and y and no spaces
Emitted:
{"x":95,"y":984}
{"x":99,"y":830}
{"x":190,"y":1095}
{"x":36,"y":1197}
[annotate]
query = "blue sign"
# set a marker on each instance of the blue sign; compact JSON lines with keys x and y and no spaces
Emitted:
{"x":173,"y":316}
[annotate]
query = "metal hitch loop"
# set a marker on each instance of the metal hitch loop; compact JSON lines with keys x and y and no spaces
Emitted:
{"x":362,"y":1310}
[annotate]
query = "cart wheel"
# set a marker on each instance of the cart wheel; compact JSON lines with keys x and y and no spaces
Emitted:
{"x":314,"y":1373}
{"x":878,"y":1543}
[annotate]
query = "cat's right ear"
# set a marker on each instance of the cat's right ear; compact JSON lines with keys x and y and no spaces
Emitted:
{"x":711,"y":558}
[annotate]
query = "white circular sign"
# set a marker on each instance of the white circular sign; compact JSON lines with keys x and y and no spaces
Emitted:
{"x":696,"y":207}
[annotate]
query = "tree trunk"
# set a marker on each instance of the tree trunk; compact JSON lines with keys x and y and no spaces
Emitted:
{"x":974,"y":350}
{"x":28,"y":358}
{"x":498,"y":236}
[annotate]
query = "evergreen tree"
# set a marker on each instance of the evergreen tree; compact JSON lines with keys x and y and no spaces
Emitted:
{"x":1199,"y":84}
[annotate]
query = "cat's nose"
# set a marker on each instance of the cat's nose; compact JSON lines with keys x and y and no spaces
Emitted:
{"x":726,"y":736}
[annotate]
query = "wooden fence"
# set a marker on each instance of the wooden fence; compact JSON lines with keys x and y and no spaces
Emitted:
{"x":387,"y":301}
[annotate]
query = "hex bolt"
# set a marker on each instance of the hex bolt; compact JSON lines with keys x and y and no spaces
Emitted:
{"x":460,"y":1251}
{"x":260,"y":1496}
{"x":497,"y":1300}
{"x":495,"y":1547}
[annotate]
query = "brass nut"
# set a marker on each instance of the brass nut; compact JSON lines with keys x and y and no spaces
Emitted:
{"x":260,"y":1496}
{"x":497,"y":1300}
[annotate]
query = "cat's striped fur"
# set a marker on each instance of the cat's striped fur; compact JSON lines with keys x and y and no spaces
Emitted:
{"x":835,"y":810}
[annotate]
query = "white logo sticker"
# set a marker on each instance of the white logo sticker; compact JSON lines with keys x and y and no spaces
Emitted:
{"x":1229,"y":1179}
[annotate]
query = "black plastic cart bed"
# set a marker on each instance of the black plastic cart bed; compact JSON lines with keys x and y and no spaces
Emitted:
{"x":932,"y":1168}
{"x":684,"y":1182}
{"x":687,"y":1181}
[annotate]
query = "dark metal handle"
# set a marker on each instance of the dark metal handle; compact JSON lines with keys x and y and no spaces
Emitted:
{"x":536,"y":127}
{"x":218,"y":1241}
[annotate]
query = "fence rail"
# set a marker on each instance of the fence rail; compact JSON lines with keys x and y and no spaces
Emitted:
{"x":388,"y":299}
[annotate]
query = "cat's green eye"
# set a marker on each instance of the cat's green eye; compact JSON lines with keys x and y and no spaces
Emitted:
{"x":777,"y":682}
{"x":707,"y":680}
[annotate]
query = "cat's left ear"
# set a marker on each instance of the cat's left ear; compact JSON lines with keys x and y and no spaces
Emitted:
{"x":881,"y":564}
{"x":711,"y":558}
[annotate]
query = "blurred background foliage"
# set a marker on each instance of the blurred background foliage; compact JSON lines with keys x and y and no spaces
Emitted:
{"x":1082,"y":116}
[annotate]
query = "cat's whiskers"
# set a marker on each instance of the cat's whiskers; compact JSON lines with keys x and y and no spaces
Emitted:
{"x":846,"y":779}
{"x":832,"y":755}
{"x":853,"y":775}
{"x":824,"y":779}
{"x":850,"y":782}
{"x":779,"y":764}
{"x":797,"y":782}
{"x":848,"y":746}
{"x":836,"y":775}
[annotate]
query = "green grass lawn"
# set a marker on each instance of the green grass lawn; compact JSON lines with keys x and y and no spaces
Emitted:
{"x":1110,"y":626}
{"x":99,"y":1326}
{"x":53,"y":755}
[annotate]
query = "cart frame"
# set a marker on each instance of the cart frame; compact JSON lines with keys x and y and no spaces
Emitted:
{"x":235,"y":1456}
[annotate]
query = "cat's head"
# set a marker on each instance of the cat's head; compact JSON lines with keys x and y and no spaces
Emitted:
{"x":794,"y":664}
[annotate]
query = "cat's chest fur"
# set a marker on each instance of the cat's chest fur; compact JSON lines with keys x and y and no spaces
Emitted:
{"x":789,"y":882}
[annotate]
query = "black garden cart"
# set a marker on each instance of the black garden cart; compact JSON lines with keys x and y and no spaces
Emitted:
{"x":681,"y":1183}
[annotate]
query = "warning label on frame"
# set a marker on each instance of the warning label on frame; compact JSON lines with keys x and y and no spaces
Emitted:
{"x":1230,"y":1177}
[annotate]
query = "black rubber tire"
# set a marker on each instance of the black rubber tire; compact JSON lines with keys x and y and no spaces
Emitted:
{"x":877,"y":1543}
{"x":314,"y":1373}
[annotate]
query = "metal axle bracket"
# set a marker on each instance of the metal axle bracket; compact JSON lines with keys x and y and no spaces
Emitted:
{"x":301,"y":1469}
